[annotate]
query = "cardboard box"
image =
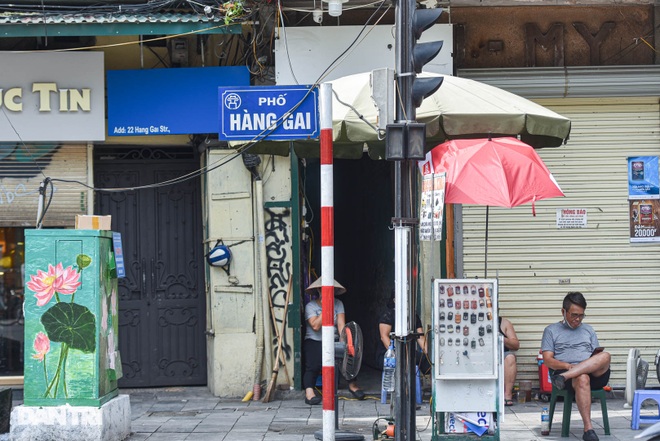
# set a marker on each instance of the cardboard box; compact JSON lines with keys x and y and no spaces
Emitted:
{"x":84,"y":222}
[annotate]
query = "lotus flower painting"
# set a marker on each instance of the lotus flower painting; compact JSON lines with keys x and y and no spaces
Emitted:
{"x":68,"y":326}
{"x":71,"y":320}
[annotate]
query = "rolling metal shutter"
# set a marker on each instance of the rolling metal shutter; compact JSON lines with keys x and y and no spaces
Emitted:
{"x":537,"y":263}
{"x":24,"y":167}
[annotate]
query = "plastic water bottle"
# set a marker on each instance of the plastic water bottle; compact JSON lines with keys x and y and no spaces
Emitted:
{"x":545,"y":422}
{"x":389,"y":366}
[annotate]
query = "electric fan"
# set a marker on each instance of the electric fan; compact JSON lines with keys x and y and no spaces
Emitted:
{"x":348,"y":359}
{"x":351,"y":360}
{"x":636,"y":373}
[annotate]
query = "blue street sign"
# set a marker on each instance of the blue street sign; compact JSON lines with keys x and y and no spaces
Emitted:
{"x":268,"y":112}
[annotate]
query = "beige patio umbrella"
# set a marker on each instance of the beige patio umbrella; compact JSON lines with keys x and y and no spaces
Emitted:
{"x":460,"y":108}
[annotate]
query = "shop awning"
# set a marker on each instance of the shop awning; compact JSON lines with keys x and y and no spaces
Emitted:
{"x":111,"y":24}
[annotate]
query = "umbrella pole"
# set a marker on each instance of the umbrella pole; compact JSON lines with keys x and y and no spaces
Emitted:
{"x":486,"y":246}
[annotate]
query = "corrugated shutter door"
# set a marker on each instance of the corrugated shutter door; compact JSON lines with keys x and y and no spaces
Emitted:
{"x":538,"y":263}
{"x":23,"y":168}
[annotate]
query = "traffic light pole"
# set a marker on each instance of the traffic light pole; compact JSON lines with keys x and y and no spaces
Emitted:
{"x":404,"y":213}
{"x":405,"y":146}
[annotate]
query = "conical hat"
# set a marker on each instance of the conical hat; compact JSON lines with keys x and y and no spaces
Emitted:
{"x":316,"y":284}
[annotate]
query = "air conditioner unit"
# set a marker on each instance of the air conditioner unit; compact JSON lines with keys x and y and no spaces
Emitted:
{"x":636,"y":373}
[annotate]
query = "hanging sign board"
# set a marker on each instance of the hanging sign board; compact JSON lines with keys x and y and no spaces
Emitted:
{"x":268,"y":112}
{"x":643,"y":181}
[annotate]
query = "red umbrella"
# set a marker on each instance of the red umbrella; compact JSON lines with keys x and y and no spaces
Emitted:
{"x":503,"y":172}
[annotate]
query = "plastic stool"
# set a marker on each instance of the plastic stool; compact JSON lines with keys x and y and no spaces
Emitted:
{"x":418,"y":388}
{"x":640,"y":396}
{"x":569,"y":397}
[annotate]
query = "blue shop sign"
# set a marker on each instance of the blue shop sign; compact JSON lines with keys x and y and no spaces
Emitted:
{"x":268,"y":112}
{"x":177,"y":101}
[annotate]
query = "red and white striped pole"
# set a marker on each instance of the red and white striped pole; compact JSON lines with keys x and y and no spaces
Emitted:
{"x":327,"y":263}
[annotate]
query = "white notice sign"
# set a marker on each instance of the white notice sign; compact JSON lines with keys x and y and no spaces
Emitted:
{"x":571,"y":218}
{"x":432,"y":203}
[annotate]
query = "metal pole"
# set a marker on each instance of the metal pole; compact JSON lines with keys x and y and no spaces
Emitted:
{"x":405,"y":214}
{"x":327,"y":264}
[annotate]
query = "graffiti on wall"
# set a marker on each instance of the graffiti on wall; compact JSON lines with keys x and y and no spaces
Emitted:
{"x":278,"y":244}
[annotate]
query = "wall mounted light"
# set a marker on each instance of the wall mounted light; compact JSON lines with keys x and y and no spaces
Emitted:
{"x":317,"y":15}
{"x":334,"y":7}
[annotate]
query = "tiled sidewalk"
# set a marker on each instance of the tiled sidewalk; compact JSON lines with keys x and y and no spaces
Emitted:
{"x":194,"y":414}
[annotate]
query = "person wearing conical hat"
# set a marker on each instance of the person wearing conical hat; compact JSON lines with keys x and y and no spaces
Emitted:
{"x":312,"y":345}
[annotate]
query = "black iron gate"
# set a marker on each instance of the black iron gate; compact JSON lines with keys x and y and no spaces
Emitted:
{"x":162,"y":316}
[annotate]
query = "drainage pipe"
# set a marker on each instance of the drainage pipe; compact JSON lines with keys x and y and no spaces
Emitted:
{"x":259,"y":329}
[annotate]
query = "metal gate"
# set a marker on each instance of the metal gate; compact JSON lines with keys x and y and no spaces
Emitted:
{"x":162,"y":298}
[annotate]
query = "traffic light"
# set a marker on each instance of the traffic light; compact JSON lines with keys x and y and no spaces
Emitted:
{"x":422,"y":53}
{"x":405,"y":139}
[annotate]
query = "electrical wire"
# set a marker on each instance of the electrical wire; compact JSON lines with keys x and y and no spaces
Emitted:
{"x":192,"y":175}
{"x":379,"y":132}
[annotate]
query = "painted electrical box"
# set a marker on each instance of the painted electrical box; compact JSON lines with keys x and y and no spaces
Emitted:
{"x":71,"y":327}
{"x":467,"y":391}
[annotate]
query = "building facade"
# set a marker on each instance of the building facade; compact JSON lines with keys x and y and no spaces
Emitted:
{"x":184,"y":322}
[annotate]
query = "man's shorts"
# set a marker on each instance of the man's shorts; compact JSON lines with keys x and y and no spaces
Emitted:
{"x":595,"y":382}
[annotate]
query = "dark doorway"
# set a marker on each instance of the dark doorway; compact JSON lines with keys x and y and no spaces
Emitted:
{"x":364,"y":243}
{"x":162,"y":315}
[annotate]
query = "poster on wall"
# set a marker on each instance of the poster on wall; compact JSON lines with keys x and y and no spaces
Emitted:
{"x":439,"y":181}
{"x":571,"y":218}
{"x":644,"y":222}
{"x":643,"y":181}
{"x":431,"y":210}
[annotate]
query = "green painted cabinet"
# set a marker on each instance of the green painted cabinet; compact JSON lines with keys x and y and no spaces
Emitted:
{"x":71,"y":328}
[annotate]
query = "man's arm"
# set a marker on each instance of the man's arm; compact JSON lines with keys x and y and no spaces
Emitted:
{"x":341,"y":322}
{"x":421,"y":340}
{"x":385,"y":331}
{"x":315,"y":322}
{"x":552,"y":363}
{"x":511,"y":341}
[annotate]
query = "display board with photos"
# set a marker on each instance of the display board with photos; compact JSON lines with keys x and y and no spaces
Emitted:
{"x":465,"y":328}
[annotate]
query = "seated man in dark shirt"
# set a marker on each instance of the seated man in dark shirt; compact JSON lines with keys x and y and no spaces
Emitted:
{"x":568,"y":349}
{"x":385,"y":327}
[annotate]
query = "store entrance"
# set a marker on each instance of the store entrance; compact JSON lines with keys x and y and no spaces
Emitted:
{"x":364,"y":244}
{"x":162,"y":298}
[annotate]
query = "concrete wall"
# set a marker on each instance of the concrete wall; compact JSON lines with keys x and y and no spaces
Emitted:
{"x":239,"y":310}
